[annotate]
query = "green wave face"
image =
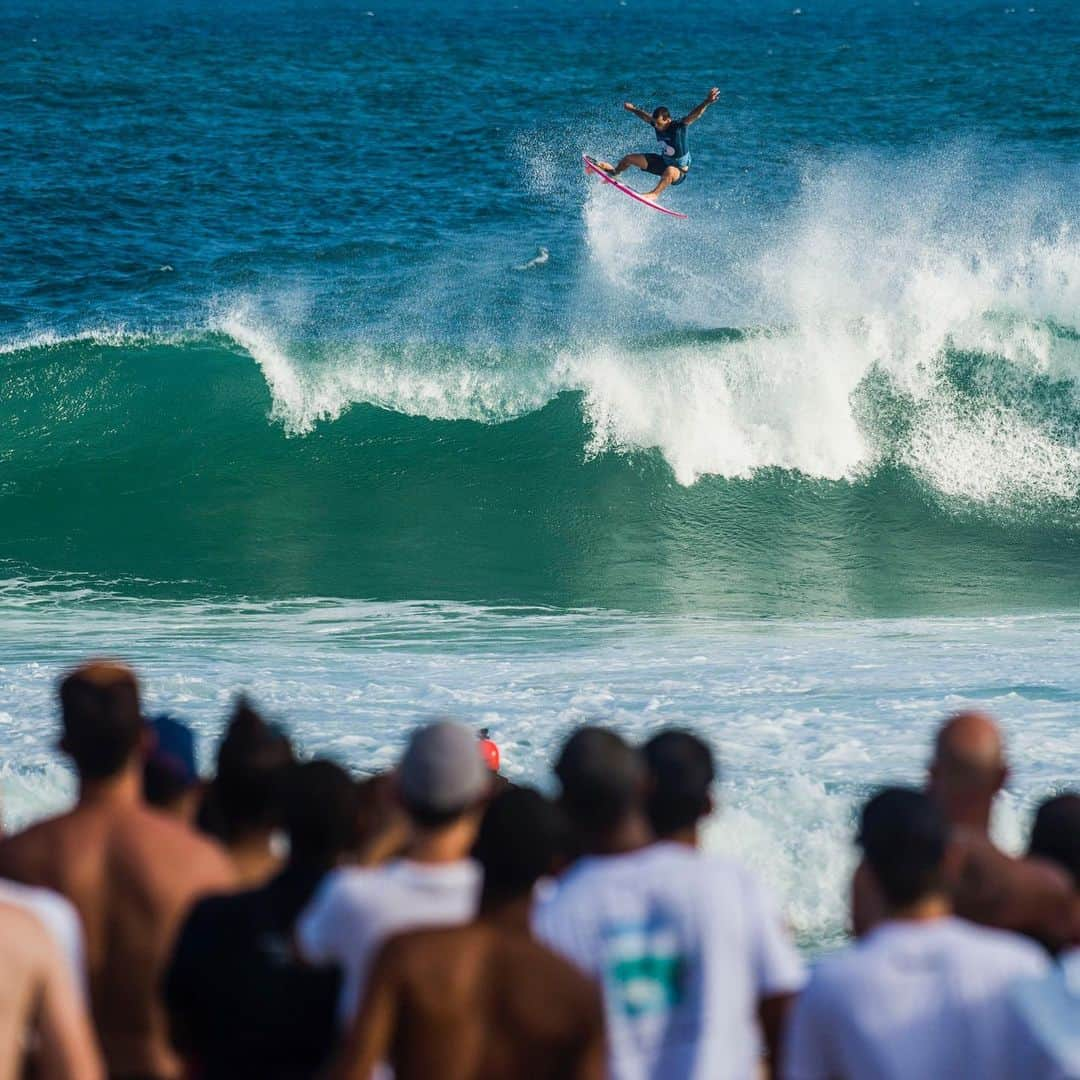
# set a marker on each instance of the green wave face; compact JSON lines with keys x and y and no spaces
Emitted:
{"x":219,"y":461}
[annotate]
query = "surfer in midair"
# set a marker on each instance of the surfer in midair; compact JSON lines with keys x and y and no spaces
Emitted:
{"x":672,"y":160}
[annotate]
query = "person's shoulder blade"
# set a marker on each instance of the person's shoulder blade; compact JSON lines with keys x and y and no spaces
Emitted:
{"x":150,"y":837}
{"x":31,"y":856}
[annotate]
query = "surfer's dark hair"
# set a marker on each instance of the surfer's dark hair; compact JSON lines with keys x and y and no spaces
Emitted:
{"x":661,"y":112}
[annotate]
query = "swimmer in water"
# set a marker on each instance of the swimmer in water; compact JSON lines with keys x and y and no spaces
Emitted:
{"x":672,"y":160}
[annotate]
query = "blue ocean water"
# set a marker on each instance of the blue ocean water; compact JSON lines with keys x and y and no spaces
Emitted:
{"x":324,"y":371}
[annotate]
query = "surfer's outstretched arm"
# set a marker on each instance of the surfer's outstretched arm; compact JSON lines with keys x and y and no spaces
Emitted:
{"x":641,"y":114}
{"x":699,"y":111}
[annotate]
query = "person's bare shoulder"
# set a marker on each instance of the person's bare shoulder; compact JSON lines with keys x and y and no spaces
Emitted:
{"x":562,"y":975}
{"x":549,"y":986}
{"x":1029,"y":895}
{"x":413,"y":956}
{"x":147,"y":835}
{"x":40,"y":853}
{"x":22,"y":931}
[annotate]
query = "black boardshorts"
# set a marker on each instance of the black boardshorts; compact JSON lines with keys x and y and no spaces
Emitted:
{"x":656,"y":165}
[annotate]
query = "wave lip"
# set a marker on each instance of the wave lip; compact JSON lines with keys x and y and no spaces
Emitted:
{"x":416,"y":380}
{"x":884,"y":320}
{"x":908,"y":327}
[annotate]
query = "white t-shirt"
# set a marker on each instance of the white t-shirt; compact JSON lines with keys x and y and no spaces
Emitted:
{"x":355,"y":910}
{"x":912,"y":1001}
{"x":58,"y":915}
{"x":684,"y":946}
{"x":1047,"y":1016}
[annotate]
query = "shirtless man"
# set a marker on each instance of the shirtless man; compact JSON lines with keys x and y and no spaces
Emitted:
{"x":40,"y":1006}
{"x":484,"y":1001}
{"x":1029,"y":896}
{"x":130,"y":871}
{"x":671,"y":162}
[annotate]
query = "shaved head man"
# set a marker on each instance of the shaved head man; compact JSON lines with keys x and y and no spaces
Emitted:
{"x":1029,"y":896}
{"x":968,"y":769}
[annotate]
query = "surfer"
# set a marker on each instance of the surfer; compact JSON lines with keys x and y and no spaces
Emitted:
{"x":672,"y":162}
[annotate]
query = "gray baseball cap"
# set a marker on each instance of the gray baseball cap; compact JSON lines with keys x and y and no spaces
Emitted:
{"x":442,"y":769}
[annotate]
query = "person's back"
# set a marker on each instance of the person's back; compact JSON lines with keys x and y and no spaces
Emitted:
{"x":671,"y":936}
{"x":476,"y":1003}
{"x":988,"y":886}
{"x":484,"y":1001}
{"x":130,"y":871}
{"x":685,"y":946}
{"x":923,"y":994}
{"x":42,"y":1012}
{"x":240,"y":1002}
{"x":1046,"y":1011}
{"x":917,"y":1000}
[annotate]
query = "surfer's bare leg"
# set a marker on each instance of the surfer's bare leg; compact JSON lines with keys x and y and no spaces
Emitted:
{"x":636,"y":160}
{"x":671,"y":174}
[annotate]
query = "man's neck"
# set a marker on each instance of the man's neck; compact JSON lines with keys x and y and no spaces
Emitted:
{"x":509,"y":915}
{"x":928,"y":909}
{"x":254,"y":842}
{"x":971,"y":815}
{"x":439,"y":846}
{"x":631,"y":834}
{"x":119,"y":791}
{"x":687,"y":837}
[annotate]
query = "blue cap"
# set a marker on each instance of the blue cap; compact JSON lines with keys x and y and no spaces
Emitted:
{"x":174,"y":748}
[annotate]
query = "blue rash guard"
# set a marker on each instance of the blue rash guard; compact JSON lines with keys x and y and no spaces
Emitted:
{"x":674,"y":145}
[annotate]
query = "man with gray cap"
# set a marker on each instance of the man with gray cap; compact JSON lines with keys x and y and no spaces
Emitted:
{"x":443,"y":785}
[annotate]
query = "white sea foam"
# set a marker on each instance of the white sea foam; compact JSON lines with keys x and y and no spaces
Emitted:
{"x":117,"y":336}
{"x":869,"y":273}
{"x":414,"y":380}
{"x":854,"y":304}
{"x":876,"y":272}
{"x":807,"y":717}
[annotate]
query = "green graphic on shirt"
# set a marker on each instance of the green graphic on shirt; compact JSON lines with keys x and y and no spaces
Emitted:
{"x":644,"y":970}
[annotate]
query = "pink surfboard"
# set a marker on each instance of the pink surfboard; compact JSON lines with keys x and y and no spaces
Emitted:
{"x":592,"y":167}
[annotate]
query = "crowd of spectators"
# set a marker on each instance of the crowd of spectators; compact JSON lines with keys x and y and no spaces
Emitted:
{"x":286,"y":919}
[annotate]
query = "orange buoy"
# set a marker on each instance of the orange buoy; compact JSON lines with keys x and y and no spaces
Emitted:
{"x":489,"y":750}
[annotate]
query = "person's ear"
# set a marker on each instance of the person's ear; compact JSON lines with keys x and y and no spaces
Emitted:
{"x":1003,"y":778}
{"x":646,"y":785}
{"x":867,"y":903}
{"x":952,"y":865}
{"x":147,"y":743}
{"x":932,"y":776}
{"x":394,"y":797}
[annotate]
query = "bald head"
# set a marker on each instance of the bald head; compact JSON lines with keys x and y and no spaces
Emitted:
{"x":969,"y":758}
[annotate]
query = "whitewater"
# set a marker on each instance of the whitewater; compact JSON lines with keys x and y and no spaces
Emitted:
{"x":484,"y":439}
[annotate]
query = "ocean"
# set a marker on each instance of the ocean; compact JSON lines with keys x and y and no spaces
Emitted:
{"x":326,"y":374}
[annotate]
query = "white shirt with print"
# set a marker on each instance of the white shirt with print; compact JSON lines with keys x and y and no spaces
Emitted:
{"x":684,"y":945}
